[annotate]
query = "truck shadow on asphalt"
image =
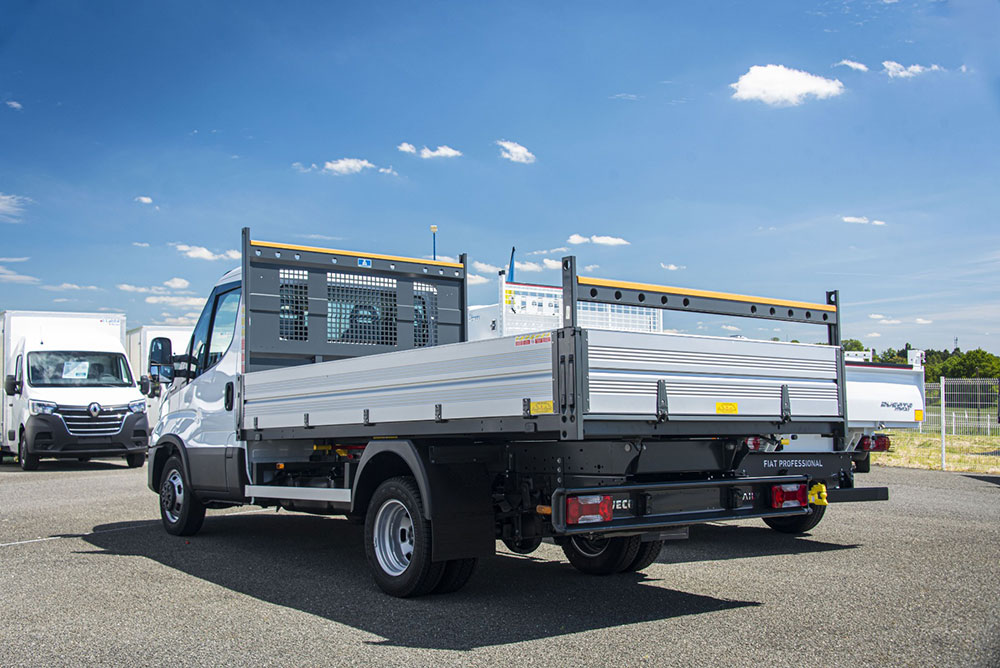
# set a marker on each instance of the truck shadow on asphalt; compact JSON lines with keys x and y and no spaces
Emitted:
{"x":710,"y":542}
{"x":317,"y":565}
{"x":11,"y":465}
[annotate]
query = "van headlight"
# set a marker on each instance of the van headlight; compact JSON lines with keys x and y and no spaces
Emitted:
{"x":137,"y":406}
{"x":41,"y":407}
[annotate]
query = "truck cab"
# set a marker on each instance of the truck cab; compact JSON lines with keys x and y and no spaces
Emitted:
{"x":69,"y":394}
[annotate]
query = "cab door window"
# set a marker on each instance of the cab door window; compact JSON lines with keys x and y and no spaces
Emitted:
{"x":199,"y":339}
{"x":223,"y":326}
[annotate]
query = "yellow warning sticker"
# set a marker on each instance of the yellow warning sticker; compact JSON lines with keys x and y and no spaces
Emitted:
{"x":530,"y":339}
{"x":541,"y":407}
{"x":918,"y":415}
{"x":727,"y":408}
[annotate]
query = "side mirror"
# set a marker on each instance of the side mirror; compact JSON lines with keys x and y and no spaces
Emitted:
{"x":145,"y":386}
{"x":10,"y":386}
{"x":161,"y":364}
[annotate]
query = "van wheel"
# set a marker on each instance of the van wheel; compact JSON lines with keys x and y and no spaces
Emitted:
{"x":797,"y":524}
{"x":28,"y":461}
{"x":601,"y":556}
{"x":647,"y":554}
{"x":398,"y":540}
{"x":182,"y":513}
{"x":457,"y":573}
{"x":135,"y":460}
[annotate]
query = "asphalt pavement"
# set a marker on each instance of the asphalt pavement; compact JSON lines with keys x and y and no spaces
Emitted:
{"x":88,"y":577}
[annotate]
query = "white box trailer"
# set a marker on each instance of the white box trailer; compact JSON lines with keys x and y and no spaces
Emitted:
{"x":137,"y":342}
{"x":69,"y":391}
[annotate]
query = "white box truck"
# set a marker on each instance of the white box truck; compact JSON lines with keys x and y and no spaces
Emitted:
{"x":69,"y":392}
{"x":137,"y":342}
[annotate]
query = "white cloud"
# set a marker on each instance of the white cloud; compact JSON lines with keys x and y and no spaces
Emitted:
{"x":64,"y":287}
{"x":514,"y":152}
{"x":11,"y":276}
{"x":924,"y":321}
{"x":346,"y":166}
{"x":631,"y":97}
{"x":11,"y":207}
{"x":143,"y":199}
{"x":476,"y":279}
{"x":890,"y":322}
{"x":963,"y":69}
{"x":388,"y":170}
{"x":62,"y":300}
{"x":202,"y":253}
{"x":176,"y":283}
{"x":731,"y":328}
{"x":140,"y":244}
{"x":872,"y":335}
{"x":608,"y":241}
{"x":878,"y":222}
{"x":527,"y":266}
{"x":778,"y":85}
{"x":302,"y":169}
{"x":439,"y":152}
{"x":853,"y":64}
{"x":561,"y":249}
{"x":126,"y":287}
{"x":14,"y":259}
{"x":897,"y":71}
{"x":406,"y":147}
{"x":578,"y":239}
{"x":320,"y":237}
{"x":672,"y":267}
{"x":172,"y":300}
{"x":485,"y":268}
{"x":592,"y":267}
{"x":182,"y":320}
{"x":876,"y":316}
{"x":863,"y":220}
{"x":14,"y":104}
{"x":549,"y":263}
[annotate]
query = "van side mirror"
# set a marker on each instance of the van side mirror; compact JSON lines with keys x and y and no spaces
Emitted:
{"x":161,"y":360}
{"x":11,"y":386}
{"x":145,"y":386}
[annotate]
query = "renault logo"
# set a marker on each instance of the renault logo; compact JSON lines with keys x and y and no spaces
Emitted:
{"x":94,"y":409}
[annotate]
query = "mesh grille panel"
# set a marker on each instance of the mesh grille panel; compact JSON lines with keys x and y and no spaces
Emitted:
{"x":360,"y":309}
{"x":425,"y":315}
{"x":293,"y":293}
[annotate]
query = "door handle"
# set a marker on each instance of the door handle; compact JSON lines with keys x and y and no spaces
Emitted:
{"x":229,"y":396}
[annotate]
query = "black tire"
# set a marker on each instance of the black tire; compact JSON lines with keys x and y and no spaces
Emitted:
{"x":27,"y":461}
{"x":83,"y":460}
{"x":647,"y":554}
{"x":524,"y":545}
{"x":136,"y":460}
{"x":456,"y":574}
{"x":398,"y":540}
{"x":180,"y":510}
{"x":863,"y":465}
{"x":799,"y":523}
{"x":601,"y":556}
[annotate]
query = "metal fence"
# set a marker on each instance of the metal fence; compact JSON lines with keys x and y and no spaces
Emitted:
{"x":961,"y":426}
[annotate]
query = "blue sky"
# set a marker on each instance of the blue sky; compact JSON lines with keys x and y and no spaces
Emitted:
{"x":779,"y":148}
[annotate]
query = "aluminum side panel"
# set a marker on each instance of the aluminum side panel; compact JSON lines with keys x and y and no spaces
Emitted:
{"x":884,"y":398}
{"x":703,"y":372}
{"x":475,"y":379}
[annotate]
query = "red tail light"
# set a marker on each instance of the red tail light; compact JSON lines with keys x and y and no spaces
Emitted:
{"x":865,"y":443}
{"x":591,"y":508}
{"x":753,"y":443}
{"x":880,"y":443}
{"x":789,"y":496}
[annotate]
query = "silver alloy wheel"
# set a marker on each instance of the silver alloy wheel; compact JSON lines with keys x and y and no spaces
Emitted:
{"x":590,"y":547}
{"x":393,"y":537}
{"x":172,"y":496}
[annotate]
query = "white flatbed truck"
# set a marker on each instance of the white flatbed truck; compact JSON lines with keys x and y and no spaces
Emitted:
{"x":338,"y":382}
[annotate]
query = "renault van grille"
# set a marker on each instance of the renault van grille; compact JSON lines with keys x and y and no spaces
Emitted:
{"x":79,"y":422}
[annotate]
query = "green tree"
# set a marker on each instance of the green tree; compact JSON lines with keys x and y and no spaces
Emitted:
{"x":853,"y":345}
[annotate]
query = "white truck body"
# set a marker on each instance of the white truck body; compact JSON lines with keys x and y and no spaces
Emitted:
{"x":137,"y":342}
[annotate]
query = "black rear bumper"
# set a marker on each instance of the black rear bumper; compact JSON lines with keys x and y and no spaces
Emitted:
{"x":47,"y":436}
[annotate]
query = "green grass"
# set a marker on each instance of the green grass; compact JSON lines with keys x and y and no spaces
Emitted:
{"x":979,"y":454}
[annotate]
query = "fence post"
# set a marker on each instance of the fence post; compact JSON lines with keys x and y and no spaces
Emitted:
{"x":942,"y":422}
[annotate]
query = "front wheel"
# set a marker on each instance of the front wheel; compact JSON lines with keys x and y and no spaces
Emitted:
{"x":398,"y":540}
{"x":181,"y":512}
{"x":797,"y":524}
{"x":28,"y":461}
{"x":601,"y":556}
{"x":136,"y":460}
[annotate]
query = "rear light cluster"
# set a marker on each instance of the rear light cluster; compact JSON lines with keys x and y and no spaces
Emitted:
{"x":591,"y":508}
{"x":876,"y":443}
{"x":789,"y":496}
{"x":753,"y":443}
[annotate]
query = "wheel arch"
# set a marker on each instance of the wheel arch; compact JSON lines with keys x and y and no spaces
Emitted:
{"x":387,"y":459}
{"x":168,"y":446}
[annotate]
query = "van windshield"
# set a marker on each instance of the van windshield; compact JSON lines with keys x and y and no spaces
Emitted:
{"x":59,"y":368}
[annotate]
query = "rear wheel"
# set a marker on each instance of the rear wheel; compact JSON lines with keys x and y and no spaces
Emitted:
{"x":456,"y":574}
{"x":797,"y":524}
{"x":182,"y":513}
{"x":601,"y":556}
{"x":28,"y":461}
{"x":647,"y":554}
{"x":522,"y":545}
{"x":398,"y":540}
{"x":136,"y":460}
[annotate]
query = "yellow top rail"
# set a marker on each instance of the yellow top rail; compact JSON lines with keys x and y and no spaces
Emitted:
{"x":378,"y":256}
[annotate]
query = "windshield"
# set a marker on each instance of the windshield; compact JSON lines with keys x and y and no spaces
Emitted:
{"x":78,"y":369}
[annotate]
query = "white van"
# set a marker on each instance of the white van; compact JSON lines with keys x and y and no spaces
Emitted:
{"x":69,"y":391}
{"x":137,"y":341}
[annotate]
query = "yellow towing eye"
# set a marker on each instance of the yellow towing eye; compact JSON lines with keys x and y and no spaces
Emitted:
{"x":817,"y":495}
